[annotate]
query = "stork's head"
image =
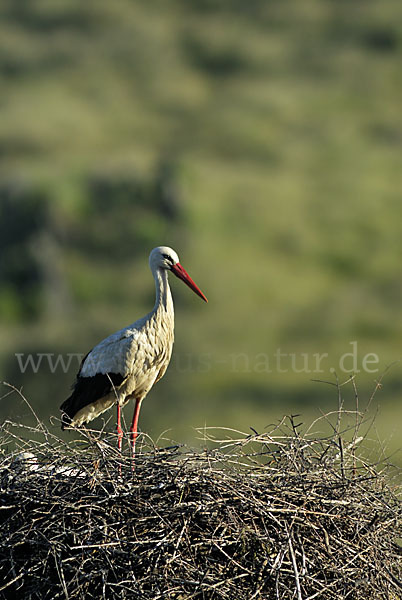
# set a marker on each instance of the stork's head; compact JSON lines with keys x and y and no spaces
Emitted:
{"x":164,"y":257}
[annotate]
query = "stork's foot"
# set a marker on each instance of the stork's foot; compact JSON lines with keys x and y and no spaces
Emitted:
{"x":119,"y":433}
{"x":119,"y":439}
{"x":133,"y":438}
{"x":134,"y":429}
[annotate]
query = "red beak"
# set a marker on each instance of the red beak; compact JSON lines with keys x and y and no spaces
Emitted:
{"x":182,"y":274}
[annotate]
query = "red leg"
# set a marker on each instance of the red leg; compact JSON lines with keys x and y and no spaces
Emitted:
{"x":119,"y":429}
{"x":134,"y":424}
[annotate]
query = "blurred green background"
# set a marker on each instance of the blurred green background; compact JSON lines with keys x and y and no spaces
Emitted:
{"x":262,"y":140}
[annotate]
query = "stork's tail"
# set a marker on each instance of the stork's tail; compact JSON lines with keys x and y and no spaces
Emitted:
{"x":67,"y":413}
{"x":87,"y":391}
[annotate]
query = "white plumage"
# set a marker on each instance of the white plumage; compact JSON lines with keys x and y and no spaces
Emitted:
{"x":126,"y":364}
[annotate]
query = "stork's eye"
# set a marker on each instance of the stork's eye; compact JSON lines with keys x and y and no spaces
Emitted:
{"x":168,"y":258}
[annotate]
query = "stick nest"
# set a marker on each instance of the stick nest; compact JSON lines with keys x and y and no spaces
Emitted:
{"x":280,"y":515}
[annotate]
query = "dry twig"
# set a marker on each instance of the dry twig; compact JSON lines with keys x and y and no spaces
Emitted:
{"x":276,"y":515}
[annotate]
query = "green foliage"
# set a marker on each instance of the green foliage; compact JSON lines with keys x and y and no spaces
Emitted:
{"x":22,"y":221}
{"x":260,"y":139}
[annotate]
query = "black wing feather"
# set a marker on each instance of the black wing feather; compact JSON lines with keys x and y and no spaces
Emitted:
{"x":88,"y":390}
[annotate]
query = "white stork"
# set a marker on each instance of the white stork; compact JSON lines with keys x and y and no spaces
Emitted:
{"x":126,"y":364}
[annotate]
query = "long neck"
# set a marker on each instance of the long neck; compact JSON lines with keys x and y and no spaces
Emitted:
{"x":163,"y":299}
